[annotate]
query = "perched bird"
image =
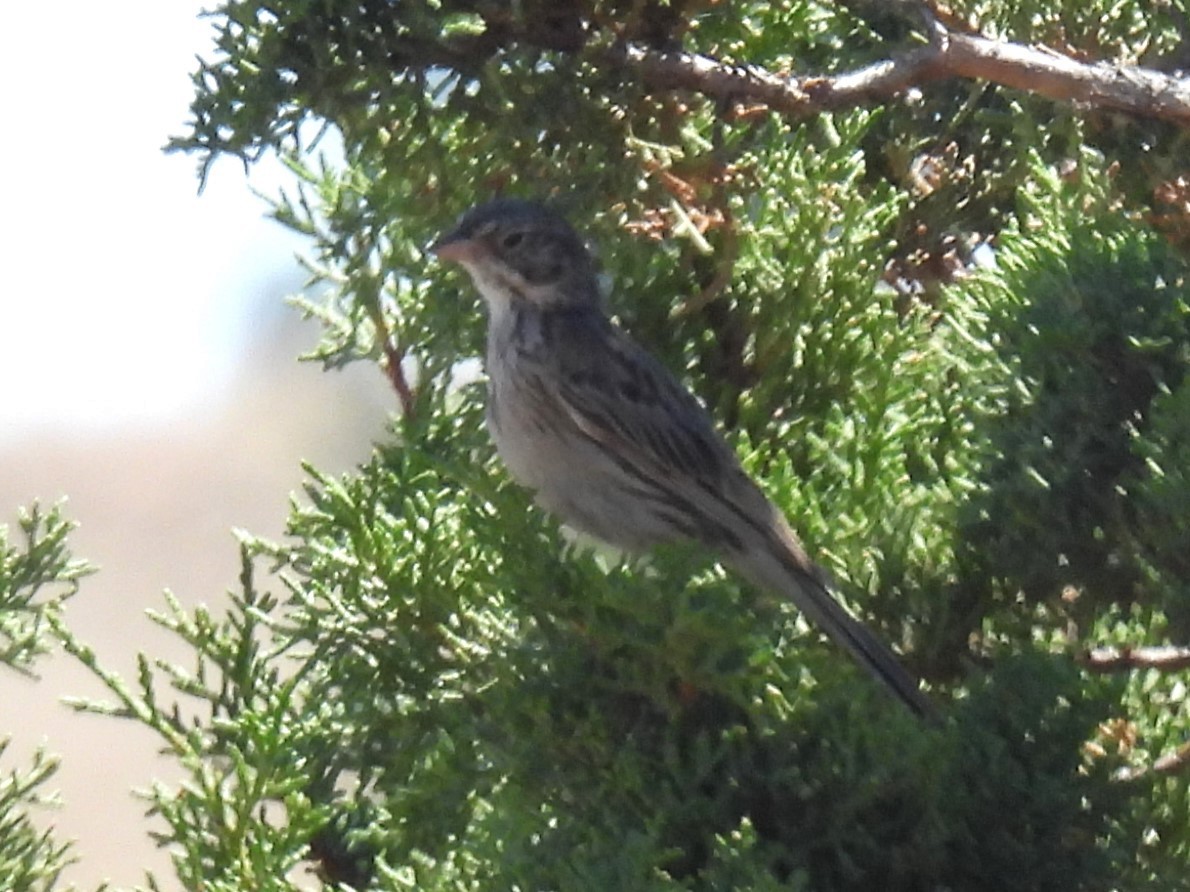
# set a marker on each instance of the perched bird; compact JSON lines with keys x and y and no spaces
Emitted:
{"x":607,"y":439}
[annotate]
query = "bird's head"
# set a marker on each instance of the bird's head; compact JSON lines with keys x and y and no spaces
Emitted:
{"x":516,"y":250}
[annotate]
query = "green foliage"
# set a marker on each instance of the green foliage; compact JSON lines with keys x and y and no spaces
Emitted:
{"x":990,"y":457}
{"x":31,"y":860}
{"x":1107,"y":29}
{"x":243,"y":818}
{"x":42,"y":562}
{"x":1162,"y":490}
{"x":441,"y":702}
{"x":1092,"y":312}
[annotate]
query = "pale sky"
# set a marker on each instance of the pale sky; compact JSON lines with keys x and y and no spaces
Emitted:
{"x":125,"y":295}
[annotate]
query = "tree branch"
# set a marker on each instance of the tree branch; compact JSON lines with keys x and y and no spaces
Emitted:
{"x":1113,"y":659}
{"x":1139,"y":91}
{"x":1173,"y":762}
{"x":1170,"y":763}
{"x":393,"y":357}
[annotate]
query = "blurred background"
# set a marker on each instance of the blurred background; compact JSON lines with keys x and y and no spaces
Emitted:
{"x":148,"y":370}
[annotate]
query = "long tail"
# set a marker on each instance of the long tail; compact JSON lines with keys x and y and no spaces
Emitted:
{"x":782,"y":567}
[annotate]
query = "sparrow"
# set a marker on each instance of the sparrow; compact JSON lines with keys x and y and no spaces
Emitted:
{"x":608,"y":440}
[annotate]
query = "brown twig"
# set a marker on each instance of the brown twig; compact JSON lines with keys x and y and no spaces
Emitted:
{"x":1170,"y":763}
{"x":393,"y":355}
{"x":1165,"y":659}
{"x":1139,"y":91}
{"x":1175,"y":761}
{"x":1114,"y":659}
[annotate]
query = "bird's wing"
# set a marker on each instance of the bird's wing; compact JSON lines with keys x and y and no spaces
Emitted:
{"x":619,"y":395}
{"x":623,"y":399}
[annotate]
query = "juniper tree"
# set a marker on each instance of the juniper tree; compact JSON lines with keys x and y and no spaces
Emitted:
{"x":940,"y":310}
{"x":37,"y":573}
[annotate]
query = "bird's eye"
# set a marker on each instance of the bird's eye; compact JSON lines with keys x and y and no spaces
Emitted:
{"x":512,"y":239}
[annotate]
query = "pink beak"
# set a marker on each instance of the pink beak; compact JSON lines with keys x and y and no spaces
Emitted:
{"x":455,"y":250}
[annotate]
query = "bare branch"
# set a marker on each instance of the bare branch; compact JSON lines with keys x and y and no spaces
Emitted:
{"x":1139,"y":91}
{"x":1102,"y":84}
{"x":1170,"y":763}
{"x":393,"y":357}
{"x":1173,"y":762}
{"x":1113,"y":659}
{"x":713,"y":78}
